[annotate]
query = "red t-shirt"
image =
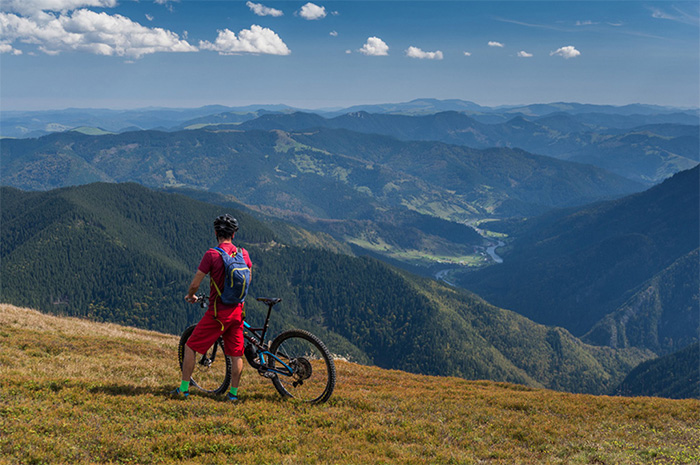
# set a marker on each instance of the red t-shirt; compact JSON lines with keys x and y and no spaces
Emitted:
{"x":213,"y":265}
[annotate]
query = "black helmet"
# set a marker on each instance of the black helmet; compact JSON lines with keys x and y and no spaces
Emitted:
{"x":226,"y":224}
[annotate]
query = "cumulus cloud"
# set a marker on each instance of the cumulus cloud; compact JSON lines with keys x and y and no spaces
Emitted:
{"x":467,"y":54}
{"x":567,"y":52}
{"x":88,"y":31}
{"x":149,"y":17}
{"x":257,"y":39}
{"x":261,"y":10}
{"x":524,"y":54}
{"x":493,"y":43}
{"x":334,"y":33}
{"x":7,"y":48}
{"x":415,"y":52}
{"x":375,"y":47}
{"x":312,"y":11}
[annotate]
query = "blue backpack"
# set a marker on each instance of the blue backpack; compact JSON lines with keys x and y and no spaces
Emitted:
{"x":236,"y":278}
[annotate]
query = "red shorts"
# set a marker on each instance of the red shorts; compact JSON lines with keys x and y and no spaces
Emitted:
{"x":228,"y":323}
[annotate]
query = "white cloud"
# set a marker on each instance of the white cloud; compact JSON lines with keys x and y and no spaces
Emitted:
{"x":524,"y":54}
{"x":348,"y":52}
{"x":467,"y":54}
{"x":312,"y":11}
{"x":261,"y":10}
{"x":32,"y":7}
{"x":91,"y":32}
{"x":149,"y":17}
{"x":7,"y":48}
{"x":495,"y":44}
{"x":567,"y":52}
{"x":375,"y":47}
{"x":257,"y":39}
{"x":334,"y":33}
{"x":415,"y":52}
{"x":677,"y":15}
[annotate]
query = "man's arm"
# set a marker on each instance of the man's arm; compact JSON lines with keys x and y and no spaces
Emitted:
{"x":194,"y":286}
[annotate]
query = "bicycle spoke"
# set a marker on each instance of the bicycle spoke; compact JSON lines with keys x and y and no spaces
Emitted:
{"x":313,"y":373}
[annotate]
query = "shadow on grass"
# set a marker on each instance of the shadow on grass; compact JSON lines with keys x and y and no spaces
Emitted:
{"x":130,"y":390}
{"x":164,"y":391}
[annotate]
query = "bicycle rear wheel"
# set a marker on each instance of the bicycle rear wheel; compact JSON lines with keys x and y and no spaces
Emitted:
{"x":312,"y":376}
{"x":212,"y":371}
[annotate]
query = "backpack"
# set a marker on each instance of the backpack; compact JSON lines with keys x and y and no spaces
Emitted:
{"x":236,"y":278}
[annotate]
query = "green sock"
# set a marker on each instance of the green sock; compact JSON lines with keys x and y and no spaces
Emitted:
{"x":234,"y":391}
{"x":184,"y":386}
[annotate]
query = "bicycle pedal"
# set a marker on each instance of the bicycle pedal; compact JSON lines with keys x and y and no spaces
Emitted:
{"x":269,"y":375}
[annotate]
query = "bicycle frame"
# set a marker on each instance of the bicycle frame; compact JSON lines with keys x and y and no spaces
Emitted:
{"x":258,"y":340}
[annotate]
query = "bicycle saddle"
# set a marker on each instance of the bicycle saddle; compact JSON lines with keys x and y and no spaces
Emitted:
{"x":268,"y":301}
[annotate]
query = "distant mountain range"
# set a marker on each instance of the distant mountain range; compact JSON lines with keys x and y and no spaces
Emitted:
{"x":403,"y":199}
{"x":620,"y":273}
{"x":644,"y":143}
{"x":647,"y":153}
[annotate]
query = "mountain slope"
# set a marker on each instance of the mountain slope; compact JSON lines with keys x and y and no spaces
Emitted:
{"x":662,"y":315}
{"x":125,"y":254}
{"x":572,"y":268}
{"x":675,"y":376}
{"x":81,"y":392}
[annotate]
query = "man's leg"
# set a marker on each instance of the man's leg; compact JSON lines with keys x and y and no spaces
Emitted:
{"x":187,"y":364}
{"x":236,"y":370}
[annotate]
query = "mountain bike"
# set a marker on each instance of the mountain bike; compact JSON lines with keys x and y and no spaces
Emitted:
{"x":297,"y":362}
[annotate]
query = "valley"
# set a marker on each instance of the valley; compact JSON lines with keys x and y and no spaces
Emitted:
{"x":577,"y":265}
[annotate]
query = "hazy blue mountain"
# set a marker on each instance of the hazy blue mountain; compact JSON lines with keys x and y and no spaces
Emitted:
{"x":647,"y":154}
{"x":26,"y":124}
{"x":676,"y":376}
{"x":415,"y":107}
{"x":576,"y":267}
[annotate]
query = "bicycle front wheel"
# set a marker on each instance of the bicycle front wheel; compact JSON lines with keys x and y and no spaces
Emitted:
{"x":305,"y":369}
{"x":212,"y":371}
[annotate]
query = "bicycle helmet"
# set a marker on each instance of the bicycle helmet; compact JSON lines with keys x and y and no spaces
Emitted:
{"x":225,"y":225}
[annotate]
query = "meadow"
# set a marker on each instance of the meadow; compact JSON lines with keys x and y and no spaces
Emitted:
{"x":80,"y":392}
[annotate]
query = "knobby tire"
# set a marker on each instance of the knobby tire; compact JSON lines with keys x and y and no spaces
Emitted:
{"x":314,"y":375}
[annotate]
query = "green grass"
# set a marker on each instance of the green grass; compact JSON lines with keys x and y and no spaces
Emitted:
{"x":79,"y":392}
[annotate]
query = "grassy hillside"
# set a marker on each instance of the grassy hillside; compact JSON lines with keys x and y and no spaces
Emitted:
{"x":80,"y":392}
{"x":125,"y":254}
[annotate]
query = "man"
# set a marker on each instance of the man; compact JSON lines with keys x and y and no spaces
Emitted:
{"x":220,"y":319}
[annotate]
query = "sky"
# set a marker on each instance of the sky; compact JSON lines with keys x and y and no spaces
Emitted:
{"x":125,"y":54}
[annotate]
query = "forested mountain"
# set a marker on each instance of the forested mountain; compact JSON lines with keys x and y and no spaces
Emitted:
{"x":676,"y":376}
{"x":123,"y":253}
{"x":646,"y":154}
{"x":405,"y":200}
{"x":662,"y":315}
{"x":627,"y":268}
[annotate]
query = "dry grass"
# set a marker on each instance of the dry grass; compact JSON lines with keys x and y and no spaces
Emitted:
{"x":79,"y":392}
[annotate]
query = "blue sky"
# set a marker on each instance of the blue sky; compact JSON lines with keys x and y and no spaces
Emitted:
{"x":127,"y":54}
